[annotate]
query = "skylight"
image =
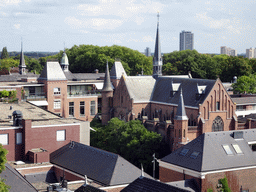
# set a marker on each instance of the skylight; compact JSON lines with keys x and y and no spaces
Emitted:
{"x":184,"y":152}
{"x":194,"y":154}
{"x":237,"y":149}
{"x":227,"y":149}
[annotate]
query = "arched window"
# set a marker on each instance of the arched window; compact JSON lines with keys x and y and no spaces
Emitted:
{"x":217,"y":124}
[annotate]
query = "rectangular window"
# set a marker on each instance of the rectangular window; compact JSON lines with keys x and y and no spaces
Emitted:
{"x":81,"y":108}
{"x":18,"y":138}
{"x":93,"y":105}
{"x":237,"y":149}
{"x":61,"y":135}
{"x":57,"y":104}
{"x":218,"y":106}
{"x":4,"y":139}
{"x":184,"y":152}
{"x":227,"y":149}
{"x":71,"y":109}
{"x":56,"y":91}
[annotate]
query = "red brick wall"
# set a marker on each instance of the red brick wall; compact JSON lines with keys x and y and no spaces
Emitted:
{"x":68,"y":176}
{"x":45,"y":137}
{"x":87,"y":109}
{"x":105,"y":114}
{"x":35,"y":170}
{"x":15,"y":152}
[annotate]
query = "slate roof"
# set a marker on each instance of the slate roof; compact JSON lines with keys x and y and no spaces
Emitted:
{"x":212,"y":155}
{"x":143,"y":184}
{"x":16,"y":77}
{"x":107,"y":84}
{"x":88,"y":76}
{"x":52,"y":71}
{"x":181,"y":113}
{"x":117,"y":70}
{"x":69,"y":75}
{"x":99,"y":165}
{"x":14,"y":179}
{"x":188,"y":184}
{"x":88,"y":188}
{"x":163,"y":87}
{"x":140,"y":88}
{"x":244,"y":100}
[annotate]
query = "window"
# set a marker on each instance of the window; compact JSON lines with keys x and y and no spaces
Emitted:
{"x":217,"y":105}
{"x":239,"y":107}
{"x":194,"y":154}
{"x":93,"y":108}
{"x":237,"y":149}
{"x":57,"y":104}
{"x":184,"y":152}
{"x":217,"y":124}
{"x":81,"y":108}
{"x":18,"y":138}
{"x":4,"y":139}
{"x":61,"y":135}
{"x":71,"y":109}
{"x":227,"y":149}
{"x":56,"y":91}
{"x":252,"y":145}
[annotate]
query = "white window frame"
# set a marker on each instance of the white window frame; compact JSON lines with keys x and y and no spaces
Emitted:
{"x":18,"y":138}
{"x":61,"y":135}
{"x":56,"y":91}
{"x":57,"y":104}
{"x":4,"y":139}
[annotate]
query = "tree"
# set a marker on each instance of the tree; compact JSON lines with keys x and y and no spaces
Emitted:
{"x":225,"y":187}
{"x":4,"y":54}
{"x":34,"y":66}
{"x":131,"y":140}
{"x":245,"y":84}
{"x":3,"y":160}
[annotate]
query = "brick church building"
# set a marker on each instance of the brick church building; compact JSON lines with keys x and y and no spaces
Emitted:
{"x":180,"y":108}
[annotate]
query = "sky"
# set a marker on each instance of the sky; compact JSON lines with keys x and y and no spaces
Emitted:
{"x":49,"y":25}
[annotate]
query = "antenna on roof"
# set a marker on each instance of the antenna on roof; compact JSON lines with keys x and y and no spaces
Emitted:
{"x":142,"y":172}
{"x":85,"y":180}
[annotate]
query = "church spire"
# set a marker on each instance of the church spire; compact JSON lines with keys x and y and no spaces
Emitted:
{"x":157,"y":62}
{"x":22,"y":65}
{"x":107,"y":83}
{"x":181,"y":112}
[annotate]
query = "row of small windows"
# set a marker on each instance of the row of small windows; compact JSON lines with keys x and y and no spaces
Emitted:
{"x":4,"y":138}
{"x":193,"y":155}
{"x":82,"y":108}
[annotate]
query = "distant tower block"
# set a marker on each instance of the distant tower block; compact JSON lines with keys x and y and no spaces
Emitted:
{"x":186,"y":40}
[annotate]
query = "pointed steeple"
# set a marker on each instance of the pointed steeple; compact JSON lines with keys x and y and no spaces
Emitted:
{"x":157,"y":61}
{"x":107,"y":84}
{"x":181,"y":112}
{"x":22,"y":65}
{"x":64,"y":61}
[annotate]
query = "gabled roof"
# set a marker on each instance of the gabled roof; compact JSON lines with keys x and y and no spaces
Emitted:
{"x":88,"y":188}
{"x":140,"y":88}
{"x":163,"y":87}
{"x":143,"y":184}
{"x":99,"y":165}
{"x":210,"y":154}
{"x":117,"y":70}
{"x":52,"y":71}
{"x":14,"y":179}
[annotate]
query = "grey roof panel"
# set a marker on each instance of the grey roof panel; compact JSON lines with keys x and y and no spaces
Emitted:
{"x":140,"y":88}
{"x":117,"y":70}
{"x":149,"y":185}
{"x":244,"y":100}
{"x":14,"y":179}
{"x":212,"y":155}
{"x":52,"y":71}
{"x":99,"y":165}
{"x":88,"y":188}
{"x":163,"y":87}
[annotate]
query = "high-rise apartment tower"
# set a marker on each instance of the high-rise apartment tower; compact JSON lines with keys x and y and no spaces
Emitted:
{"x":186,"y":40}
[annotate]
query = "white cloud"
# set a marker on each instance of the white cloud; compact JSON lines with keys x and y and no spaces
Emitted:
{"x":17,"y":26}
{"x":147,"y":39}
{"x":210,"y":22}
{"x":9,"y":2}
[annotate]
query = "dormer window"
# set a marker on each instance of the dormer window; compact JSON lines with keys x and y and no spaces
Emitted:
{"x":175,"y":88}
{"x":200,"y":91}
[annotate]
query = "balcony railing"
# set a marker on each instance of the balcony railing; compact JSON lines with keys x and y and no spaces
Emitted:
{"x":84,"y":93}
{"x":35,"y":96}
